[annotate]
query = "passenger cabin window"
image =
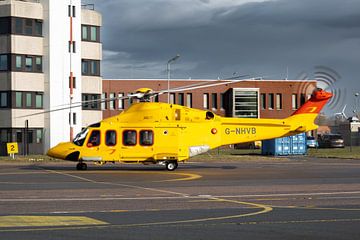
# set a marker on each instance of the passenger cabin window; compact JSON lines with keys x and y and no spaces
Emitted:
{"x":94,"y":139}
{"x":129,"y":138}
{"x":110,"y":138}
{"x":146,"y":138}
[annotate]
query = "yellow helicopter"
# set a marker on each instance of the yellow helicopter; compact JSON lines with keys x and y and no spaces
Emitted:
{"x":161,"y":133}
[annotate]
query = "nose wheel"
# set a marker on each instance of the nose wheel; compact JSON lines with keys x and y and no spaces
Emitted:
{"x":81,"y":166}
{"x":171,"y":165}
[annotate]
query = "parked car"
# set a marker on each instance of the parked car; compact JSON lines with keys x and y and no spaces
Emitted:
{"x":311,"y":142}
{"x":331,"y":141}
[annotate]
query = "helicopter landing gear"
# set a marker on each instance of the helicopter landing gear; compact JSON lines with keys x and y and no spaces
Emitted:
{"x":81,"y":166}
{"x":171,"y":165}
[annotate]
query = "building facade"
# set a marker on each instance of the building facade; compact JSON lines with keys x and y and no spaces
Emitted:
{"x":50,"y":53}
{"x":247,"y":99}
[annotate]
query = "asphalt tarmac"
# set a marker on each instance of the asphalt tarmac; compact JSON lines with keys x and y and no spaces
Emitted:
{"x":297,"y":198}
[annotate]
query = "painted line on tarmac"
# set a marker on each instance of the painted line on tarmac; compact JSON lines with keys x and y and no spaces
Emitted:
{"x":317,"y":208}
{"x":185,"y":176}
{"x":291,"y":194}
{"x":46,"y":221}
{"x":23,"y":173}
{"x":263,"y":209}
{"x":117,"y":184}
{"x":180,"y":196}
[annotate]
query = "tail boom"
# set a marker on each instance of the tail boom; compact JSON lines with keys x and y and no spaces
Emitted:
{"x":240,"y":130}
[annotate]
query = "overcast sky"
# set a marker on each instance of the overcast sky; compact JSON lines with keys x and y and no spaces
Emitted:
{"x":217,"y":38}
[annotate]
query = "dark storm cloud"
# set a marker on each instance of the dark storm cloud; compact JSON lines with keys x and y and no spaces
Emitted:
{"x":216,"y":38}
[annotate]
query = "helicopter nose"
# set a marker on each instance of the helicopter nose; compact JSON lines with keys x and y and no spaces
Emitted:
{"x":60,"y":151}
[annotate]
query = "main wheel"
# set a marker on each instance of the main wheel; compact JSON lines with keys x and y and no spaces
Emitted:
{"x":81,"y":166}
{"x":171,"y":165}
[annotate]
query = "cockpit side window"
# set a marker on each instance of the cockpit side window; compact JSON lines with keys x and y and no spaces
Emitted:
{"x":146,"y":137}
{"x":129,"y":137}
{"x":94,"y":139}
{"x":80,"y":137}
{"x":110,"y":138}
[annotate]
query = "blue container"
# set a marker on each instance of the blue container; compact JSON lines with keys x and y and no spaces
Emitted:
{"x":293,"y":145}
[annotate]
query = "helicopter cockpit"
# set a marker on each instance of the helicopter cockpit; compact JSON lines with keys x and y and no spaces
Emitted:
{"x":80,"y":137}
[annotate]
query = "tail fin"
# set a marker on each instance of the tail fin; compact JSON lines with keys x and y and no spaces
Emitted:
{"x":314,"y":105}
{"x":303,"y":119}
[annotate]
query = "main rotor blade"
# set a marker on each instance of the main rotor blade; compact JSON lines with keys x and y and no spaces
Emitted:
{"x":210,"y":83}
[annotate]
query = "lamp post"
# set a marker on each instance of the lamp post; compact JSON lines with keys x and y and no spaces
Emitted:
{"x":356,"y":101}
{"x":168,"y":73}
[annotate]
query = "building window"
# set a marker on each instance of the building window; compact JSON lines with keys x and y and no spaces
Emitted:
{"x":18,"y":62}
{"x":5,"y":25}
{"x":19,"y":25}
{"x":302,"y":99}
{"x":26,"y":100}
{"x":271,"y":101}
{"x":18,"y":99}
{"x":4,"y":66}
{"x":146,"y":138}
{"x":4,"y":135}
{"x":93,"y":33}
{"x":206,"y":100}
{"x":30,"y":136}
{"x":245,"y":103}
{"x":278,"y":101}
{"x":263,"y":100}
{"x":181,"y":99}
{"x":74,"y":118}
{"x":121,"y":101}
{"x":112,"y":101}
{"x":85,"y":67}
{"x":4,"y":100}
{"x":84,"y":32}
{"x":90,"y":67}
{"x":38,"y":63}
{"x":129,"y":137}
{"x":110,"y":138}
{"x":19,"y":136}
{"x":38,"y":100}
{"x":172,"y":98}
{"x":28,"y":64}
{"x":222,"y":101}
{"x":103,"y":101}
{"x":294,"y":102}
{"x":39,"y":136}
{"x":214,"y":101}
{"x":27,"y":26}
{"x":90,"y":33}
{"x":94,"y":71}
{"x":38,"y":27}
{"x":189,"y":100}
{"x":25,"y":63}
{"x":90,"y":101}
{"x":28,"y":103}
